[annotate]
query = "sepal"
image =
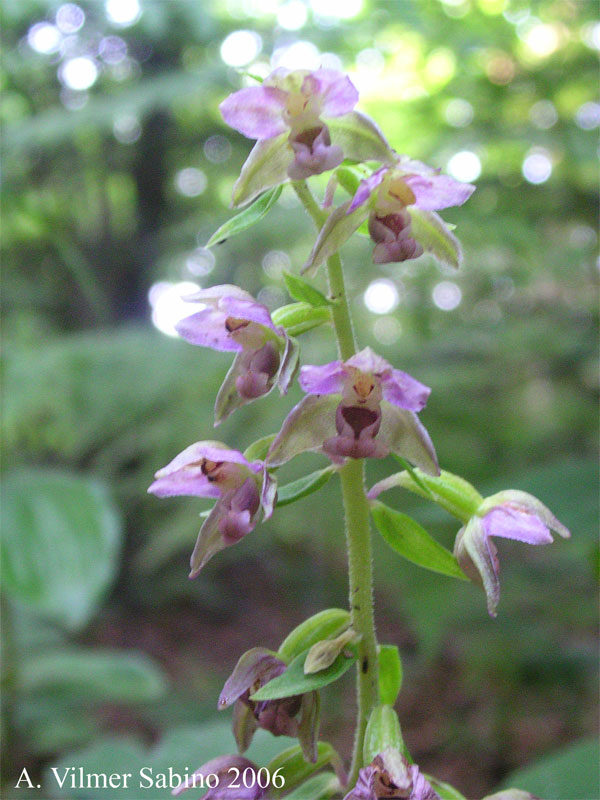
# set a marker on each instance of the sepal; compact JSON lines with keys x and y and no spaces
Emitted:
{"x":265,"y":167}
{"x":382,"y":733}
{"x":305,"y":428}
{"x":435,"y":237}
{"x":522,"y":501}
{"x":360,"y":138}
{"x":402,"y":433}
{"x":337,"y":229}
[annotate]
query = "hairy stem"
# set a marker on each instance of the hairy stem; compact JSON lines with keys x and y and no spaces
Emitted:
{"x":356,"y":509}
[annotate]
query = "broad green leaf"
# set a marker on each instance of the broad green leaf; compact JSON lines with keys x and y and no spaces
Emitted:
{"x":100,"y":675}
{"x":383,"y":732}
{"x":299,"y":318}
{"x":322,"y":654}
{"x":304,"y":486}
{"x":293,"y":769}
{"x":411,"y":541}
{"x":265,"y":167}
{"x":445,"y":790}
{"x":320,"y":787}
{"x":61,"y":537}
{"x":302,"y":291}
{"x":338,"y":228}
{"x":293,"y":681}
{"x":258,"y":450}
{"x":246,"y":218}
{"x":360,"y":138}
{"x":390,"y":673}
{"x":451,"y":492}
{"x":569,"y":772}
{"x":434,"y":236}
{"x":323,"y":625}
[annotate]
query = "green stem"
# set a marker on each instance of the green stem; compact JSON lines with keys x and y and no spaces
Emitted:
{"x":356,"y":509}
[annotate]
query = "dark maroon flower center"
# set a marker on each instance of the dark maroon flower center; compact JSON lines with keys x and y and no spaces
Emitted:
{"x":359,"y":418}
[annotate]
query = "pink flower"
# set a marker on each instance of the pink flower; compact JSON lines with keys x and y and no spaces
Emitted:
{"x":510,"y":514}
{"x":234,"y":321}
{"x":393,"y":191}
{"x":360,"y":408}
{"x":228,"y":770}
{"x":297,"y":102}
{"x":245,"y":492}
{"x":390,"y":775}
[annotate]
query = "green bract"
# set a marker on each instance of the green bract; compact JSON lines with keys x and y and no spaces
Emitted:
{"x":324,"y":625}
{"x":383,"y":732}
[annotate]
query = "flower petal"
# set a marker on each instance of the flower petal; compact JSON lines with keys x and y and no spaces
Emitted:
{"x":476,"y":555}
{"x":438,"y":191}
{"x":265,"y":167}
{"x":368,"y":361}
{"x":247,"y":309}
{"x":268,"y":494}
{"x":511,"y":523}
{"x":184,"y":476}
{"x":256,"y":665}
{"x":207,"y":328}
{"x":225,"y":768}
{"x":323,"y":379}
{"x":212,"y":294}
{"x":305,"y":428}
{"x":525,"y":502}
{"x":336,"y":93}
{"x":256,"y":111}
{"x":210,"y":539}
{"x":404,"y":391}
{"x":366,"y":188}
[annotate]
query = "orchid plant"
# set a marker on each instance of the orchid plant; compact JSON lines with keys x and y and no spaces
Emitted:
{"x":355,"y":408}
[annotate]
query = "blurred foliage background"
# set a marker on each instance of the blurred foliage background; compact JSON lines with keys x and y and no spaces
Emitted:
{"x":117,"y":168}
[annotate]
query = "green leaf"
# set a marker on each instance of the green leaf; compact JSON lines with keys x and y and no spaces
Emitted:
{"x":265,"y":167}
{"x":432,"y":233}
{"x":299,"y":318}
{"x":360,"y":138}
{"x":390,"y":673}
{"x":383,"y":732}
{"x":293,"y":681}
{"x":258,"y":450}
{"x":320,"y":787}
{"x":293,"y":769}
{"x":323,"y":625}
{"x":569,"y":772}
{"x":304,"y":486}
{"x":246,"y":218}
{"x":99,"y":675}
{"x":338,"y":228}
{"x":61,"y":538}
{"x":301,"y":290}
{"x":451,"y":492}
{"x":411,"y":541}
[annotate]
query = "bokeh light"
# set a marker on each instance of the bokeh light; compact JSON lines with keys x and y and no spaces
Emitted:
{"x":465,"y":166}
{"x":387,"y":330}
{"x":78,"y":73}
{"x":200,"y":261}
{"x":123,"y":12}
{"x":587,"y":116}
{"x":127,"y":128}
{"x":217,"y":149}
{"x":112,"y":49}
{"x":240,"y":48}
{"x":381,"y":296}
{"x":168,"y":306}
{"x":70,"y":18}
{"x":275,"y":262}
{"x":537,"y":166}
{"x":337,"y":9}
{"x":458,"y":112}
{"x":292,"y":15}
{"x":44,"y":38}
{"x":446,"y":295}
{"x":543,"y":114}
{"x":191,"y":181}
{"x":299,"y":55}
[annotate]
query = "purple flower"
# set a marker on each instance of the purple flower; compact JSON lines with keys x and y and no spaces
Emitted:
{"x":391,"y":776}
{"x":510,"y":515}
{"x":228,"y":770}
{"x":245,"y":492}
{"x":393,"y":191}
{"x":295,"y":102}
{"x":360,"y":408}
{"x":234,"y":321}
{"x":296,"y":716}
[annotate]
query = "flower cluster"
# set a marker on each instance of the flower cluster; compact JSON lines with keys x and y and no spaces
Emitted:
{"x":355,"y":408}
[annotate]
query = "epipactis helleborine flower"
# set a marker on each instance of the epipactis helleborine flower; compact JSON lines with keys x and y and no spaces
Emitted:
{"x":228,"y":770}
{"x":359,"y":408}
{"x":392,"y":192}
{"x":295,"y":101}
{"x":244,"y":490}
{"x":296,"y":716}
{"x":265,"y":355}
{"x":390,"y":775}
{"x":510,"y":514}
